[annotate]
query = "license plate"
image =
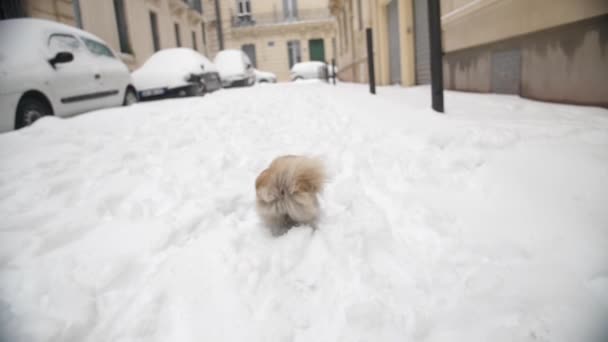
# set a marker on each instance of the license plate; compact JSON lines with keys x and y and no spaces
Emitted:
{"x":153,"y":92}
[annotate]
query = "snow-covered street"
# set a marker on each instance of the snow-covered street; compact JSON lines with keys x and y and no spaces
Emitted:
{"x":138,"y":224}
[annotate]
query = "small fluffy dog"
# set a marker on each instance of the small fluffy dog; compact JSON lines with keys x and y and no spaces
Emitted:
{"x":286,"y":192}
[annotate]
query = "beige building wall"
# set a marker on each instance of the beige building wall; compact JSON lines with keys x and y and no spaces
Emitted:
{"x":211,"y":39}
{"x":99,"y":18}
{"x":270,"y":33}
{"x":57,"y":10}
{"x":557,"y":48}
{"x":271,"y":46}
{"x":352,"y":44}
{"x":468,"y":23}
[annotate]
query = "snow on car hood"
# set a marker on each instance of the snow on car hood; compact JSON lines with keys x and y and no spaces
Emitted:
{"x":230,"y":63}
{"x":170,"y":68}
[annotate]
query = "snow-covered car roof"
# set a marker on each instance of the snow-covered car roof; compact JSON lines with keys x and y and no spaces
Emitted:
{"x":312,"y":66}
{"x":230,"y":62}
{"x":25,"y":38}
{"x":170,"y":68}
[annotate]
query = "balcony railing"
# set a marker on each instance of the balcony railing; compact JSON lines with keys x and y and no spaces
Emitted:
{"x":279,"y":17}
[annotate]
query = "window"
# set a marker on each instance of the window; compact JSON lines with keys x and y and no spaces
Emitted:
{"x":293,"y":51}
{"x":154,"y":29}
{"x":333,"y":47}
{"x":360,"y":14}
{"x":178,"y":39}
{"x":244,"y":7}
{"x":197,"y":5}
{"x":194,"y":43}
{"x":249,"y":50}
{"x":63,"y":42}
{"x":290,"y":9}
{"x":244,"y":11}
{"x":345,"y":28}
{"x":77,"y":13}
{"x":121,"y":22}
{"x":97,"y":48}
{"x":341,"y":33}
{"x":11,"y":9}
{"x":204,"y":34}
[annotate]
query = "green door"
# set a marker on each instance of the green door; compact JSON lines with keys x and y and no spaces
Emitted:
{"x":317,"y":50}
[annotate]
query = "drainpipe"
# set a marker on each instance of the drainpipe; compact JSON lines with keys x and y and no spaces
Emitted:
{"x":218,"y":18}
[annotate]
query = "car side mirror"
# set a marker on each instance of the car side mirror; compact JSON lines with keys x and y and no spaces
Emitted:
{"x":248,"y":66}
{"x":203,"y":66}
{"x":61,"y":57}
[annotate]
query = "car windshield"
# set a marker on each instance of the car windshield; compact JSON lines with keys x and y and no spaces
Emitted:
{"x":97,"y":48}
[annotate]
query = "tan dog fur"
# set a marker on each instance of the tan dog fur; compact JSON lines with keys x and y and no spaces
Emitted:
{"x":286,"y":192}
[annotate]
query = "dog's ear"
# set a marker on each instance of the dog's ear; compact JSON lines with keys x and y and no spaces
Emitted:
{"x":262,"y":179}
{"x":311,"y":178}
{"x":262,"y":187}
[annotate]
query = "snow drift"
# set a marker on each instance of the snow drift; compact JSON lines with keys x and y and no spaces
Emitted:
{"x":138,"y":224}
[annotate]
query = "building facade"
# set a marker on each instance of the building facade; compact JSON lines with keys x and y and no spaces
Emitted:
{"x":135,"y":29}
{"x":552,"y":50}
{"x":276,"y":34}
{"x":392,"y":23}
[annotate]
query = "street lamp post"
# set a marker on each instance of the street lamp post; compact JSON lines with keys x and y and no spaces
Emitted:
{"x":436,"y":55}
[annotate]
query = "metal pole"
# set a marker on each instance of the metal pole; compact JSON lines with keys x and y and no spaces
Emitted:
{"x":370,"y":61}
{"x":333,"y":70}
{"x":436,"y":55}
{"x":220,"y":31}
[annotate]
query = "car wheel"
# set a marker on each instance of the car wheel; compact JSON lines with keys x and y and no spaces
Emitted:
{"x":193,"y":90}
{"x":202,"y":90}
{"x":130,"y":97}
{"x":298,"y":78}
{"x":29,"y":110}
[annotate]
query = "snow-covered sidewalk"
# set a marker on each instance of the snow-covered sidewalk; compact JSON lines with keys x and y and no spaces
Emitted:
{"x":138,"y":224}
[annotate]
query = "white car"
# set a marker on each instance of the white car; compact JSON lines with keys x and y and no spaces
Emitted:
{"x":264,"y":76}
{"x":235,"y":68}
{"x":308,"y":70}
{"x":176,"y":72}
{"x":47,"y":68}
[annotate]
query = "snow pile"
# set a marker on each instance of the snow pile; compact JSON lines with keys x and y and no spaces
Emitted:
{"x":138,"y":223}
{"x":171,"y":68}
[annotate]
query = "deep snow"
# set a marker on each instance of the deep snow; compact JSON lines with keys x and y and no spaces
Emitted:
{"x":138,"y":224}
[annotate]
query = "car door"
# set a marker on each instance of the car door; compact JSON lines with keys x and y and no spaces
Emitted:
{"x":73,"y":83}
{"x":113,"y":75}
